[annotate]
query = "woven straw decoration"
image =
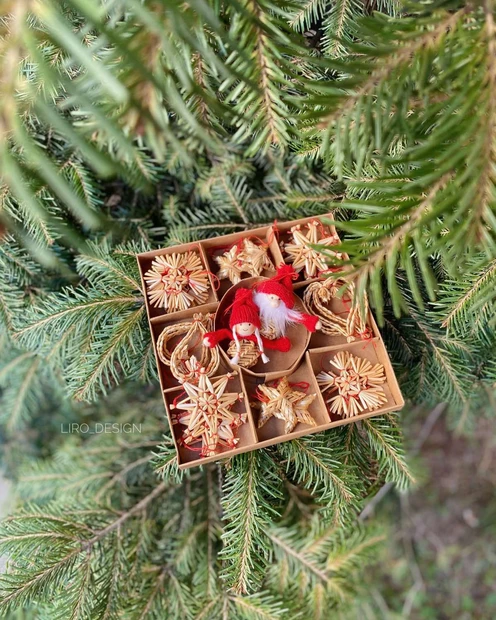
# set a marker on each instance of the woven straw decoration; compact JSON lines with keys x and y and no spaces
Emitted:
{"x":317,"y":297}
{"x":206,"y":412}
{"x":282,"y":401}
{"x":249,"y":353}
{"x":357,"y":382}
{"x":268,"y":332}
{"x":250,"y":257}
{"x":177,"y":281}
{"x":179,"y":360}
{"x":305,"y":258}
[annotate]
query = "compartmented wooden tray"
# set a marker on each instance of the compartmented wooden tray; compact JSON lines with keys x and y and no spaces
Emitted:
{"x":310,"y":354}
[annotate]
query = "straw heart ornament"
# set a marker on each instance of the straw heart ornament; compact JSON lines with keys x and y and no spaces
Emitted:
{"x":357,"y":382}
{"x":178,"y":358}
{"x":177,"y":281}
{"x":352,"y":324}
{"x":300,"y":253}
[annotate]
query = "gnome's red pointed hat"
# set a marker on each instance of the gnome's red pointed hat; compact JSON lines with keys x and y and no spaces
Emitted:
{"x":281,"y":285}
{"x":243,"y":309}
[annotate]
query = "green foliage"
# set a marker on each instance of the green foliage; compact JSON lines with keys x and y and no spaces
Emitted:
{"x":130,"y":126}
{"x":251,"y":496}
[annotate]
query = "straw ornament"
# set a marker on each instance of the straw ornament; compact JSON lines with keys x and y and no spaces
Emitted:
{"x":229,"y":265}
{"x":305,"y":258}
{"x":248,"y":353}
{"x":177,"y":281}
{"x":206,"y":412}
{"x":179,"y":360}
{"x":247,"y":257}
{"x":256,"y":258}
{"x":357,"y":383}
{"x":319,"y":295}
{"x":269,"y":332}
{"x":285,"y":403}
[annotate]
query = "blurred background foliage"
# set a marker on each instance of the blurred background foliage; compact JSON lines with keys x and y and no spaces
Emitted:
{"x":132,"y":125}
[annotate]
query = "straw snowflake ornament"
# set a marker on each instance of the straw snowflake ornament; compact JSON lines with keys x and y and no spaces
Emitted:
{"x":177,"y":281}
{"x":206,"y":412}
{"x":247,"y":257}
{"x":282,"y":401}
{"x":305,"y":258}
{"x":357,"y":382}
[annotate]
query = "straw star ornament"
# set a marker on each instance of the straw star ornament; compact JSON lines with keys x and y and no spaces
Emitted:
{"x":247,"y":257}
{"x":282,"y":401}
{"x":206,"y":413}
{"x":358,"y":385}
{"x":229,"y":265}
{"x":305,"y":258}
{"x":177,"y":281}
{"x":255,"y":258}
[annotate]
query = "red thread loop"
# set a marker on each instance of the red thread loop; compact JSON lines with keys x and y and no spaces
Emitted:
{"x":261,"y":396}
{"x":215,"y":279}
{"x":273,"y":233}
{"x":176,"y":399}
{"x":329,"y":270}
{"x":301,"y":385}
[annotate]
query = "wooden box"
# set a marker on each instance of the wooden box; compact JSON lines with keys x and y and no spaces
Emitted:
{"x":309,"y":355}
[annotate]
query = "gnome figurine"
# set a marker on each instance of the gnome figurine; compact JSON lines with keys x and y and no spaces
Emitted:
{"x":275,"y":300}
{"x":244,"y":324}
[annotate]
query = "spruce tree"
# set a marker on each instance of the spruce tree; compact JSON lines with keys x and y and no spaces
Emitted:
{"x":128,"y":126}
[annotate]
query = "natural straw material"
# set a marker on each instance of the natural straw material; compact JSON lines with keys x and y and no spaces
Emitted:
{"x":248,"y":353}
{"x":352,"y":325}
{"x":284,"y":402}
{"x":300,"y":253}
{"x":177,"y":281}
{"x":206,"y":412}
{"x":179,"y":360}
{"x":245,"y":257}
{"x":357,"y":383}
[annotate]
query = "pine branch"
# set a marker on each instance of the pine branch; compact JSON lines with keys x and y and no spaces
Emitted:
{"x":313,"y":462}
{"x":251,"y":493}
{"x":339,"y":25}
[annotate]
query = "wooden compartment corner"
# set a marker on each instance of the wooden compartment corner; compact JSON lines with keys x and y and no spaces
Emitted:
{"x":272,"y":431}
{"x":375,"y":352}
{"x":246,"y":432}
{"x":145,"y":260}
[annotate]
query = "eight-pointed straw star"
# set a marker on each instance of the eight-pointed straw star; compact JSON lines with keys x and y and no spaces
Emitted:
{"x":285,"y":403}
{"x":302,"y":256}
{"x":206,"y":414}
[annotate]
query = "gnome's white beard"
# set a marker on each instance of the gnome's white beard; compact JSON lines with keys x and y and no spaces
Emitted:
{"x":279,"y":318}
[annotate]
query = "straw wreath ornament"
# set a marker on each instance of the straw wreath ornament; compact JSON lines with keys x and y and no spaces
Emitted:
{"x":177,"y":281}
{"x":318,"y":296}
{"x":246,"y":257}
{"x":282,"y":401}
{"x":206,"y":412}
{"x":357,"y":382}
{"x":305,"y":258}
